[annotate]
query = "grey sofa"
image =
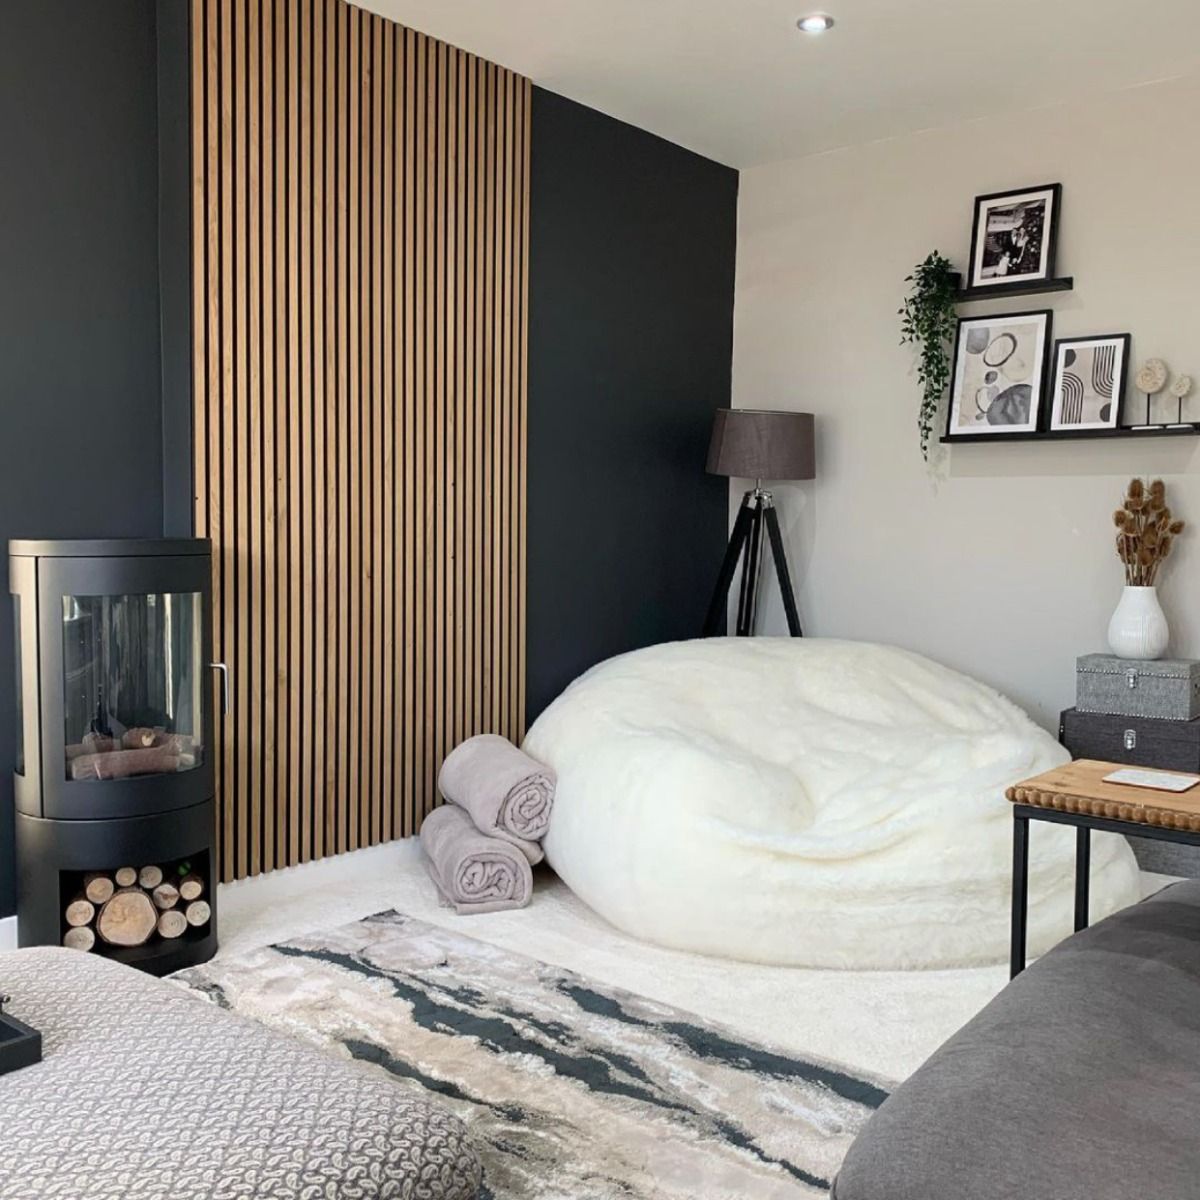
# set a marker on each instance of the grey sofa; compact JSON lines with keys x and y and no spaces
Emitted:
{"x":1080,"y":1081}
{"x":148,"y":1091}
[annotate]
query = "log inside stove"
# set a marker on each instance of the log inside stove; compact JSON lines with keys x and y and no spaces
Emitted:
{"x":139,"y":751}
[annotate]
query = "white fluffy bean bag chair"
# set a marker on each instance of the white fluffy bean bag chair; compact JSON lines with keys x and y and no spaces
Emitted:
{"x":807,"y":802}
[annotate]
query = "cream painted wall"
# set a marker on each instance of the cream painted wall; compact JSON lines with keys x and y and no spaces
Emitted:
{"x":999,"y":562}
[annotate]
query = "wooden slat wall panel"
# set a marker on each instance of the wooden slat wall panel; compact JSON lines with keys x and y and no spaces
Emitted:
{"x":360,"y":244}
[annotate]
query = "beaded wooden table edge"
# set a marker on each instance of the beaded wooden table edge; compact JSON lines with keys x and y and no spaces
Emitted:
{"x":1079,"y":787}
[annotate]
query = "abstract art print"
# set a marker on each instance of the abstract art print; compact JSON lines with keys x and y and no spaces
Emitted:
{"x":1014,"y":236}
{"x":999,"y":374}
{"x":1089,"y":382}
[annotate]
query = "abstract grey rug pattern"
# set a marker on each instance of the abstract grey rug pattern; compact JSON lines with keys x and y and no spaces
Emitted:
{"x":570,"y":1089}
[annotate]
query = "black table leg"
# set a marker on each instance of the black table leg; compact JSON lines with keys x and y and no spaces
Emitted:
{"x":1083,"y":870}
{"x":1020,"y":894}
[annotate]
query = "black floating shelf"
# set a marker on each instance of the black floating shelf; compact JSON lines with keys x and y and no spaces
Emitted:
{"x":1000,"y":291}
{"x":1046,"y":435}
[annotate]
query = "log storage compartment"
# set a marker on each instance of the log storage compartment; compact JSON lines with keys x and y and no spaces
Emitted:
{"x":114,"y":782}
{"x":128,"y":913}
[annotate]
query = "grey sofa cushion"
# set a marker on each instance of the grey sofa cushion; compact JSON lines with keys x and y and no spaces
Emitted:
{"x":1080,"y":1081}
{"x":148,"y":1091}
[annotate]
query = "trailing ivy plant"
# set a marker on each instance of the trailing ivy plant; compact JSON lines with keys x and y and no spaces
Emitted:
{"x":928,"y":322}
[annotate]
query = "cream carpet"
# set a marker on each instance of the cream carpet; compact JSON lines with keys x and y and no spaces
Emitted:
{"x":884,"y":1023}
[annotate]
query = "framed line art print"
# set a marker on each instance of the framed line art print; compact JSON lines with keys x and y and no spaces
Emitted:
{"x":1088,"y":387}
{"x":1015,"y":237}
{"x":999,"y":374}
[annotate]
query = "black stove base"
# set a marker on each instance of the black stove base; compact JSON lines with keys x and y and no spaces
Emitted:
{"x":53,"y":853}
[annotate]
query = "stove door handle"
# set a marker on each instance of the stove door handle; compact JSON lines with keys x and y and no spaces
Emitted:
{"x":218,"y":666}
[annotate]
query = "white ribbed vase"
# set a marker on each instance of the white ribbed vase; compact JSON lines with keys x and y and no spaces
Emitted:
{"x":1138,"y":628}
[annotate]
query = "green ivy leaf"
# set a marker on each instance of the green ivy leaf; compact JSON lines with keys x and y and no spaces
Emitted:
{"x":928,"y":322}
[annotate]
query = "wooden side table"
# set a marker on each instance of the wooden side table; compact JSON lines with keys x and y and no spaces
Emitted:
{"x":1076,"y":794}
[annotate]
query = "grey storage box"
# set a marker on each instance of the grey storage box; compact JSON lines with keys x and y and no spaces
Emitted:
{"x":1140,"y":742}
{"x":1166,"y":688}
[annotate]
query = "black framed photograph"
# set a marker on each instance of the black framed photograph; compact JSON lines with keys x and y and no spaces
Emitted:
{"x":1089,"y":382}
{"x":999,"y":374}
{"x":1015,"y":236}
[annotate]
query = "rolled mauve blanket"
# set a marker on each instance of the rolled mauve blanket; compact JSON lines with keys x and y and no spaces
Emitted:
{"x":475,"y":873}
{"x":507,"y":793}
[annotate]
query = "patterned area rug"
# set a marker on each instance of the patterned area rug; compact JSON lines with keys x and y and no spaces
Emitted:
{"x":572,"y":1090}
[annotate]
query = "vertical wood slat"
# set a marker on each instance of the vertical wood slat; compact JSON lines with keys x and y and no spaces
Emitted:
{"x":360,"y":316}
{"x":353,"y":471}
{"x":387,"y":435}
{"x":295,"y":424}
{"x":305,"y":502}
{"x":373,"y":835}
{"x":419,"y":343}
{"x":237,"y":434}
{"x":409,"y":408}
{"x":327,"y":476}
{"x":264,"y":548}
{"x":278,"y":547}
{"x":226,"y":502}
{"x":317,"y":457}
{"x":455,"y":300}
{"x":252,"y":589}
{"x":341,"y":421}
{"x":360,"y":254}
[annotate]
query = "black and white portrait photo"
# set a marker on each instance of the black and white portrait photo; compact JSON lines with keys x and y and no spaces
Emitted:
{"x":1089,"y":381}
{"x":1014,"y":236}
{"x":999,"y":373}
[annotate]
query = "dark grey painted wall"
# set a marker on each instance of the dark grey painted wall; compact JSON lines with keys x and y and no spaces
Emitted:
{"x":80,"y":413}
{"x":630,"y":349}
{"x":175,"y":263}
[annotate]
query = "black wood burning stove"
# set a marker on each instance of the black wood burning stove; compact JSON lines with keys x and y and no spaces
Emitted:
{"x":114,"y":787}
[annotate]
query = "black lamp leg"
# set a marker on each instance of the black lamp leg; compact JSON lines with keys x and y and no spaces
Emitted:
{"x":745,"y":544}
{"x":781,"y":570}
{"x":745,"y":617}
{"x":716,"y":624}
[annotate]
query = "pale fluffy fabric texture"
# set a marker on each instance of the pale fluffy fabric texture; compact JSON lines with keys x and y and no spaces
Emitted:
{"x":806,"y":802}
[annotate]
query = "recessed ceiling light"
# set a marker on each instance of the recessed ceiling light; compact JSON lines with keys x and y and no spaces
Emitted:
{"x":815,"y":23}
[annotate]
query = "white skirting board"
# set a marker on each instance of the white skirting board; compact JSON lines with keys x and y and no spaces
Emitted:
{"x":8,"y":933}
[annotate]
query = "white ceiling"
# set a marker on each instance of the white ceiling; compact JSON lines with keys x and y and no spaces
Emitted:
{"x":735,"y":80}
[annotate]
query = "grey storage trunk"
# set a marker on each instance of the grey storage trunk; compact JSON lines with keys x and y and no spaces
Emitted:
{"x":1166,"y":688}
{"x":1140,"y":742}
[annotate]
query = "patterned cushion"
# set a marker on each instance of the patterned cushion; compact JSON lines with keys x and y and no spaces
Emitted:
{"x":148,"y":1091}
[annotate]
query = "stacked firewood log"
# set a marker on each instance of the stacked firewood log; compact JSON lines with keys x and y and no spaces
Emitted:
{"x":129,"y":906}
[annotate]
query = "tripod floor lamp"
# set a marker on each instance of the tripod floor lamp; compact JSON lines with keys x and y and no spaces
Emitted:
{"x":753,"y":444}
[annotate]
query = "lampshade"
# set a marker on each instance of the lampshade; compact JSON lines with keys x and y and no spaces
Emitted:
{"x":749,"y":443}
